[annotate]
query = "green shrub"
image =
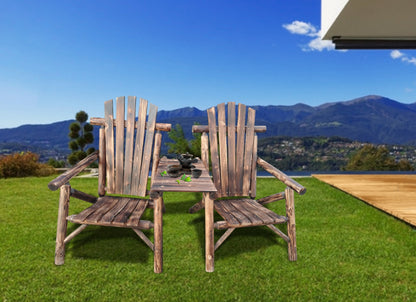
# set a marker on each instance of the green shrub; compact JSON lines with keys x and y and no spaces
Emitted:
{"x":23,"y":164}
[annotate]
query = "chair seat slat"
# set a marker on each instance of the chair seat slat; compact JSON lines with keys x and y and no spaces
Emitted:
{"x":138,"y":212}
{"x":92,"y":209}
{"x":246,"y":212}
{"x":123,"y":215}
{"x":114,"y":211}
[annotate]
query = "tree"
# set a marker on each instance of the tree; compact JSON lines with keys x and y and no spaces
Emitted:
{"x":56,"y":163}
{"x":372,"y":158}
{"x":80,"y":133}
{"x":181,"y":144}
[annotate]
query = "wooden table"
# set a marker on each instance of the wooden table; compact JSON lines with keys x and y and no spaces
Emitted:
{"x":166,"y":183}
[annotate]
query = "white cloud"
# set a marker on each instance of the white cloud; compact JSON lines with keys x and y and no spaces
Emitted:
{"x":396,"y":54}
{"x":411,"y":60}
{"x":301,"y":28}
{"x":307,"y":29}
{"x":319,"y":44}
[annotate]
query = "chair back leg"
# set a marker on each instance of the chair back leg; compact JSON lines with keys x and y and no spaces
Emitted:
{"x":65,"y":193}
{"x":291,"y":225}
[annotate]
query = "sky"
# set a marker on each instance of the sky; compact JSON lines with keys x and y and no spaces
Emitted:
{"x":60,"y":57}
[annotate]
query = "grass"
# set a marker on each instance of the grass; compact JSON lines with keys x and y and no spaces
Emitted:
{"x":347,"y":251}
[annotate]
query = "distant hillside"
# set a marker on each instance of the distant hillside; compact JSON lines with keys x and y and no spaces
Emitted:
{"x":373,"y":119}
{"x":320,"y":153}
{"x":53,"y":135}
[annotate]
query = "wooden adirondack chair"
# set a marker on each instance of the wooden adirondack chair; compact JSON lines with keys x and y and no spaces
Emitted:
{"x":234,"y":174}
{"x":124,"y":156}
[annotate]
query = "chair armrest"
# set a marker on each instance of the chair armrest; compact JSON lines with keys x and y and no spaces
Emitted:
{"x":65,"y":177}
{"x":281,"y":176}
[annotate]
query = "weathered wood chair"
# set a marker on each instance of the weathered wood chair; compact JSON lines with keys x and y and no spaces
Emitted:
{"x":124,"y":157}
{"x":234,"y":175}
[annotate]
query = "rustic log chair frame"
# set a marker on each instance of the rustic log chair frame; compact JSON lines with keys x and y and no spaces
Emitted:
{"x":124,"y":164}
{"x":234,"y":174}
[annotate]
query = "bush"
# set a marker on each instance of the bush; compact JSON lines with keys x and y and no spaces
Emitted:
{"x":376,"y":158}
{"x":56,"y":163}
{"x":22,"y":165}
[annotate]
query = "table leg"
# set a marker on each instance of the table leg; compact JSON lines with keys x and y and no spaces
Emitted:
{"x":158,"y":232}
{"x":209,"y":233}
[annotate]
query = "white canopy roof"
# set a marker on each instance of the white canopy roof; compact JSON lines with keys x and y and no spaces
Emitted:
{"x":387,"y":20}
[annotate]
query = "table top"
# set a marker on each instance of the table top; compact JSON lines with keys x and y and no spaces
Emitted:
{"x":165,"y":183}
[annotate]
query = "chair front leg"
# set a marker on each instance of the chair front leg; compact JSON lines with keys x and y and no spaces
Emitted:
{"x":158,"y":230}
{"x":291,"y":225}
{"x":209,"y":232}
{"x":64,"y":196}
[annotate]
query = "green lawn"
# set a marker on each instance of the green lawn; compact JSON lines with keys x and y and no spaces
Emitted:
{"x":347,"y":251}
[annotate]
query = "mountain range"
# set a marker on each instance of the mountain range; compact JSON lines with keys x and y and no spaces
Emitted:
{"x":373,"y":119}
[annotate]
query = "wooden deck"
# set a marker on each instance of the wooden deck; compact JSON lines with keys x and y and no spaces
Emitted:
{"x":393,"y":194}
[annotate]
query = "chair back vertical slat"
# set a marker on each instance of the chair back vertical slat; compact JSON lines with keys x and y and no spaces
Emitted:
{"x":222,"y":137}
{"x":212,"y":125}
{"x":156,"y":153}
{"x":120,"y":116}
{"x":248,"y":150}
{"x":241,"y":129}
{"x":109,"y":142}
{"x":231,"y":149}
{"x":205,"y":149}
{"x":253,"y":183}
{"x":138,"y":151}
{"x":101,"y":163}
{"x":147,"y":150}
{"x":128,"y":155}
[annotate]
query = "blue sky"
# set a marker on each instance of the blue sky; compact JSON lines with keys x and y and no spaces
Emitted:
{"x":59,"y":57}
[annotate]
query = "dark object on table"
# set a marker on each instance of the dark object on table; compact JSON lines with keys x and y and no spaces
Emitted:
{"x":186,"y":160}
{"x":174,"y":170}
{"x":196,"y":172}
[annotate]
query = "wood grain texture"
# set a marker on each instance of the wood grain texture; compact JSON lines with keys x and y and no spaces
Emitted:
{"x":248,"y":151}
{"x":109,"y":145}
{"x":98,"y":121}
{"x":393,"y":194}
{"x":119,"y":153}
{"x":213,"y":144}
{"x":281,"y":176}
{"x":138,"y":151}
{"x":231,"y":148}
{"x":75,"y":170}
{"x":239,"y":164}
{"x":114,"y":211}
{"x":62,"y":224}
{"x":129,"y":148}
{"x":147,"y":150}
{"x":102,"y":163}
{"x":246,"y":212}
{"x":223,"y":153}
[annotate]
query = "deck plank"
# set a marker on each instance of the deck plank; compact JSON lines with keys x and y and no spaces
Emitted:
{"x":391,"y":193}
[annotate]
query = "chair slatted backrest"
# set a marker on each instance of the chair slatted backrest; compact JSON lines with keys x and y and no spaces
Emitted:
{"x":128,"y":145}
{"x":233,"y":150}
